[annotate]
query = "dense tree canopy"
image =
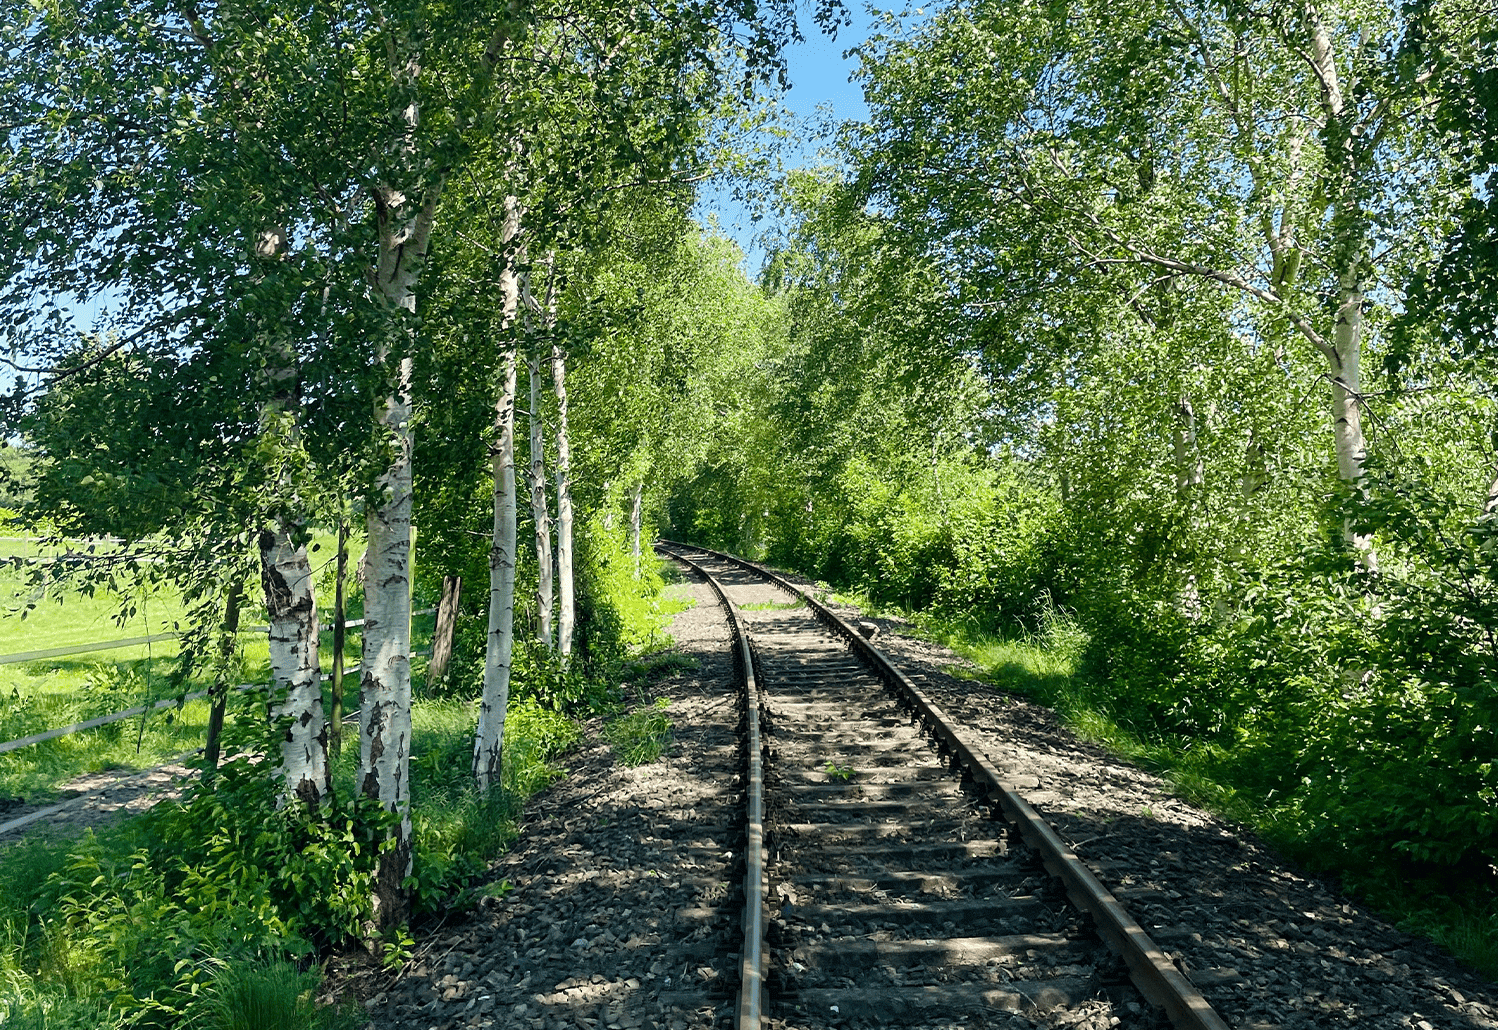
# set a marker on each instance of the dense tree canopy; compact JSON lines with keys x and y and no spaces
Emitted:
{"x":1159,"y":332}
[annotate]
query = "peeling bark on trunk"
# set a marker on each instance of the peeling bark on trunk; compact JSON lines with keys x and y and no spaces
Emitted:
{"x":385,"y":687}
{"x":286,"y":574}
{"x":567,"y":614}
{"x":540,"y":513}
{"x":385,"y":684}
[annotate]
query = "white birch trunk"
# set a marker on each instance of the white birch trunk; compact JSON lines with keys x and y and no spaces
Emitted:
{"x":488,"y":747}
{"x":385,"y":686}
{"x":636,"y":503}
{"x":1190,"y":471}
{"x":566,"y":606}
{"x":488,"y":743}
{"x":1350,"y":241}
{"x":540,"y":513}
{"x":286,"y":574}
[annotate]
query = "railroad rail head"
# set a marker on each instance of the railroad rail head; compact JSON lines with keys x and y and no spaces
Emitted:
{"x":1151,"y":970}
{"x":749,"y":1012}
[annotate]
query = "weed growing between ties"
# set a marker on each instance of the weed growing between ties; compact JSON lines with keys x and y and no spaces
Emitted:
{"x":774,"y":606}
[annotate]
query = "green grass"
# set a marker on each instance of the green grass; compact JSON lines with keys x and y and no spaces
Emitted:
{"x":64,"y":616}
{"x":253,"y":995}
{"x":642,"y":735}
{"x":773,"y":606}
{"x":57,"y":692}
{"x":456,"y":832}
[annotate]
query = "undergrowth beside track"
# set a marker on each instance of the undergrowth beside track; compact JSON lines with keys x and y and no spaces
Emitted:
{"x":216,"y":911}
{"x":161,"y":920}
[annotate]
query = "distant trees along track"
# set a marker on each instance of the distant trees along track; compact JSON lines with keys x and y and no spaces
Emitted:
{"x":867,"y":863}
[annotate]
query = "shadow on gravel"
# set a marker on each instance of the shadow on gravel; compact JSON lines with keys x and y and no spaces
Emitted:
{"x":1266,"y":945}
{"x":624,"y":896}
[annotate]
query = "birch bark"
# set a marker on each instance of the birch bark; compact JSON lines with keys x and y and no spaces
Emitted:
{"x":540,"y":513}
{"x":566,"y":614}
{"x":385,"y":687}
{"x":1190,"y":469}
{"x":286,"y":574}
{"x":1349,"y":263}
{"x":488,"y":745}
{"x":340,"y":632}
{"x":636,"y":503}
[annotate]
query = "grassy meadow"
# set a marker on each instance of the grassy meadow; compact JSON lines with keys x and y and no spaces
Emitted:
{"x":52,"y":692}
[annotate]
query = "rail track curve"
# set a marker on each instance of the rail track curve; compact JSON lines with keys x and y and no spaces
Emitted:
{"x":897,"y":855}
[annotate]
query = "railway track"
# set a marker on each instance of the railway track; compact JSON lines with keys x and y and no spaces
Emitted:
{"x":892,"y":874}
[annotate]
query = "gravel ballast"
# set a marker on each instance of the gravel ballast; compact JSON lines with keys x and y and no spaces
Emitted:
{"x":624,"y":904}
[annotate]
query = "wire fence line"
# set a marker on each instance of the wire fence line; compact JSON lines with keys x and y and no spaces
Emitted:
{"x":104,"y":720}
{"x":109,"y":645}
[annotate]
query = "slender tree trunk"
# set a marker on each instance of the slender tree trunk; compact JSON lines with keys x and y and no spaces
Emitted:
{"x":488,"y":749}
{"x":340,"y":636}
{"x":636,"y":503}
{"x":567,"y":614}
{"x":1349,"y":245}
{"x":1190,"y":473}
{"x":488,"y":743}
{"x":385,"y":664}
{"x":286,"y":574}
{"x":540,"y":514}
{"x":447,"y":625}
{"x":221,"y":686}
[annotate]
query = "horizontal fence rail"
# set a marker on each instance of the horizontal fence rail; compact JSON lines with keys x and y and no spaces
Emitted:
{"x":105,"y":720}
{"x":64,"y":650}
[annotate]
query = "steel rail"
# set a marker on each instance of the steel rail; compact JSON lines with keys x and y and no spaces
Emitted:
{"x":1151,"y":970}
{"x":749,"y":1014}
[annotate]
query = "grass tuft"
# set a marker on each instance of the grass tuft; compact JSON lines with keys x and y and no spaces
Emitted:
{"x":251,"y":995}
{"x":641,"y":736}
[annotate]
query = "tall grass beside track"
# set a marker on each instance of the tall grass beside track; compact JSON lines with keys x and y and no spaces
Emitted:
{"x":183,"y":917}
{"x":213,"y":911}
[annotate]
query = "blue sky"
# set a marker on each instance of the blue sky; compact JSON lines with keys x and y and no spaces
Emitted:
{"x":819,"y":87}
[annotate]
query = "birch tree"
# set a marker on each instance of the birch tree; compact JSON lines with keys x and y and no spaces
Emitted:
{"x":488,"y":751}
{"x":1268,"y":152}
{"x":540,"y":511}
